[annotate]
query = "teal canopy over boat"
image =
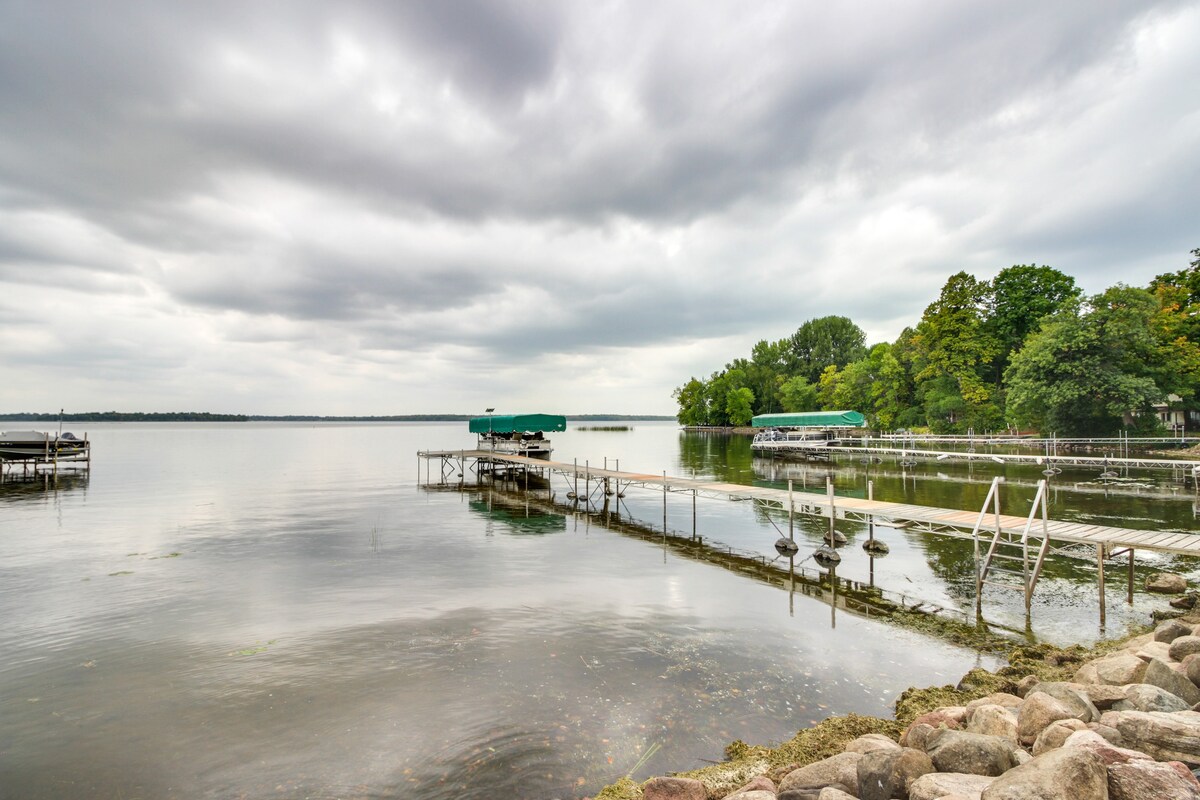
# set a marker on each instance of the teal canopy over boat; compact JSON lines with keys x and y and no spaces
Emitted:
{"x":811,"y":419}
{"x":522,"y":423}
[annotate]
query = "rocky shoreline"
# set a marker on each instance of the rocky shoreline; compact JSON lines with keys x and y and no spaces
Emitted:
{"x":1120,"y":721}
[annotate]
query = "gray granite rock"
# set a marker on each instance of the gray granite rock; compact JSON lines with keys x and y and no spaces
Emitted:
{"x":840,"y":771}
{"x":1133,"y":775}
{"x":1067,"y":773}
{"x":993,"y":720}
{"x":1170,"y":630}
{"x":1038,"y":711}
{"x":938,"y":785}
{"x":871,"y":742}
{"x":1159,"y":673}
{"x":973,"y":753}
{"x":1166,"y":583}
{"x":1184,"y":646}
{"x":1146,"y":697}
{"x":1070,"y":695}
{"x":1054,"y":734}
{"x":1117,"y":670}
{"x":1165,"y":737}
{"x":886,"y":774}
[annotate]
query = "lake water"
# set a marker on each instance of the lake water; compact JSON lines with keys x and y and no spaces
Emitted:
{"x":274,"y":610}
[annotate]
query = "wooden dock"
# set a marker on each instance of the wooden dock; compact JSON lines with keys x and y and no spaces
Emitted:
{"x":1028,"y":539}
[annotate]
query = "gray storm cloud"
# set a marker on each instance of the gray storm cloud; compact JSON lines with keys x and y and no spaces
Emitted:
{"x":409,"y":193}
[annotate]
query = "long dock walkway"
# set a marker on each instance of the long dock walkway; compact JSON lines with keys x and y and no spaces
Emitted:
{"x":1189,"y":467}
{"x":953,"y":522}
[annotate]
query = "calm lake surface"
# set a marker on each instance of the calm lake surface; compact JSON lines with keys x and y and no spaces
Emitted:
{"x":274,"y":610}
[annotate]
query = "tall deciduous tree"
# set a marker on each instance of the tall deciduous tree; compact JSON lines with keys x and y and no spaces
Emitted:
{"x":797,"y":394}
{"x":824,"y":341}
{"x":1021,"y":296}
{"x":693,"y":403}
{"x":1089,"y":366}
{"x":954,"y":344}
{"x":739,"y":406}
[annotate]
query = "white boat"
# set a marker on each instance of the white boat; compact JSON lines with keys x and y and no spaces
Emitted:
{"x":38,"y":446}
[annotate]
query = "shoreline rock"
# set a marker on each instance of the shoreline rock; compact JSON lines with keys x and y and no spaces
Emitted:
{"x":1053,"y":723}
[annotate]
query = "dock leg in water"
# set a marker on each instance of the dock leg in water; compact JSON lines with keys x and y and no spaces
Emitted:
{"x":1100,"y":565}
{"x":1129,"y":594}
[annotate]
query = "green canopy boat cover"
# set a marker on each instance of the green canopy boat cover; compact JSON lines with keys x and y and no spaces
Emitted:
{"x":811,"y":419}
{"x":525,"y":423}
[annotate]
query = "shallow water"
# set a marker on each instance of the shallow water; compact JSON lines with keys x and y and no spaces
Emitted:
{"x":273,"y":610}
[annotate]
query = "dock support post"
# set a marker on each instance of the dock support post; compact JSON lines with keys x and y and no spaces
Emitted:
{"x":587,"y":482}
{"x":1129,"y":595}
{"x":575,"y":472}
{"x":693,"y":514}
{"x":832,"y":510}
{"x":1100,"y":566}
{"x":791,"y":511}
{"x":871,"y":517}
{"x":664,"y":503}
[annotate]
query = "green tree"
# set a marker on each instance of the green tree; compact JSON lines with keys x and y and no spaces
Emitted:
{"x":1090,"y":367}
{"x":1021,"y":296}
{"x":1177,"y":327}
{"x":821,"y":342}
{"x":693,"y":403}
{"x":797,"y":394}
{"x":827,"y":387}
{"x":739,"y":406}
{"x":953,"y":348}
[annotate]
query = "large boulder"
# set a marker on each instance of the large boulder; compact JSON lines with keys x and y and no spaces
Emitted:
{"x":673,"y":789}
{"x":840,"y":772}
{"x":916,"y":735}
{"x":1159,"y":673}
{"x":1145,"y":697}
{"x":886,"y":774}
{"x":1038,"y":711}
{"x":1183,"y":646}
{"x":1166,"y":583}
{"x":1111,"y":735}
{"x":1103,"y":696}
{"x":1116,"y":670}
{"x":869,"y":743}
{"x":1192,"y":668}
{"x":937,"y":785}
{"x":993,"y":720}
{"x":1068,"y":773}
{"x":1003,"y":699}
{"x":1137,"y":780}
{"x":1054,"y":734}
{"x":757,"y":794}
{"x":1154,"y":650}
{"x":1073,"y":697}
{"x":1166,"y":737}
{"x":1171,"y":630}
{"x":1133,"y":775}
{"x":973,"y":753}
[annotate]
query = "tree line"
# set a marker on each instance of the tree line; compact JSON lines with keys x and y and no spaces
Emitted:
{"x":1024,"y":350}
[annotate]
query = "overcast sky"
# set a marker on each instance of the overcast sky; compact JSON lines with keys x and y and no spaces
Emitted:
{"x":385,"y":207}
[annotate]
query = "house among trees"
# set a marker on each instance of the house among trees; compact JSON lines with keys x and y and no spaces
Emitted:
{"x":1173,"y":416}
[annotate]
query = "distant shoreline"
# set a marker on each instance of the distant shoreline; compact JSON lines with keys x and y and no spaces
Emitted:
{"x":188,"y":416}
